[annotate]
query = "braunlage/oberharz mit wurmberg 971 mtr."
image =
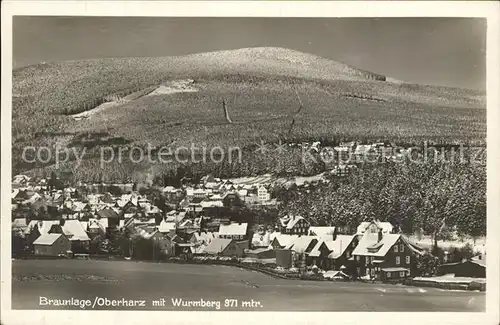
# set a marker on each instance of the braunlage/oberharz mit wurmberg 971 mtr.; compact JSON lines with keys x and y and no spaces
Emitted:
{"x":254,"y":178}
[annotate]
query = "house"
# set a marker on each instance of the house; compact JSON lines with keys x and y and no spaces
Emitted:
{"x":325,"y":233}
{"x":263,"y":194}
{"x":20,"y":195}
{"x":51,"y":245}
{"x":200,"y":193}
{"x":301,"y":247}
{"x":341,"y":249}
{"x":232,"y":200}
{"x":261,"y":239}
{"x":167,"y":227}
{"x":251,"y":199}
{"x":385,"y":256}
{"x":111,"y":215}
{"x":202,"y":237}
{"x":163,"y":242}
{"x":42,"y":226}
{"x":294,"y":225}
{"x":75,"y":232}
{"x":174,"y":216}
{"x":19,"y":225}
{"x":97,"y":227}
{"x":472,"y":268}
{"x":318,"y":255}
{"x":374,"y":226}
{"x":280,"y":241}
{"x":236,"y":231}
{"x":226,"y":247}
{"x":212,"y":201}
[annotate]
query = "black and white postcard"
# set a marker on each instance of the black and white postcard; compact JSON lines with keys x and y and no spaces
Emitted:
{"x":307,"y":158}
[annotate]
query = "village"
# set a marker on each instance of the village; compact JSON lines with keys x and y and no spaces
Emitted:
{"x":203,"y":222}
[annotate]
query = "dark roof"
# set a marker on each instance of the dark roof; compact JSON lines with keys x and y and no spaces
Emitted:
{"x":108,"y":213}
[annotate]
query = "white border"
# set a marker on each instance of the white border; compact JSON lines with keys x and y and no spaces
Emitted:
{"x":487,"y":9}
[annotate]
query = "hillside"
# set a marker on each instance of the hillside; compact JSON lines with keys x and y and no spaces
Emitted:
{"x":179,"y":99}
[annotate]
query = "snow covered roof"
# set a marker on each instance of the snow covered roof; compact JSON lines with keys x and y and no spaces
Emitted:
{"x":75,"y":228}
{"x":166,"y":226}
{"x":369,"y":245}
{"x":285,"y":240}
{"x":385,"y":226}
{"x":233,"y":229}
{"x":339,"y":245}
{"x":43,"y":225}
{"x":204,"y":237}
{"x":46,"y":239}
{"x":290,"y":221}
{"x":262,"y":240}
{"x":316,"y":251}
{"x":217,"y":245}
{"x":19,"y":223}
{"x":102,"y":223}
{"x":323,"y":232}
{"x":301,"y":244}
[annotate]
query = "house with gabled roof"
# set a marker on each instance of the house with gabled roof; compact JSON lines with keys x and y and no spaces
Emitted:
{"x":280,"y":241}
{"x":236,"y":231}
{"x":226,"y":247}
{"x":324,"y":232}
{"x":75,"y":232}
{"x":472,"y":268}
{"x":386,"y":256}
{"x":374,"y":226}
{"x":301,"y":247}
{"x":167,"y":227}
{"x":294,"y":225}
{"x":202,"y":237}
{"x":97,"y":227}
{"x":107,"y":213}
{"x":341,"y":250}
{"x":51,"y":245}
{"x":261,"y":239}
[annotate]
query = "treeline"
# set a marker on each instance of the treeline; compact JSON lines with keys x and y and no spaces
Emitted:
{"x":434,"y":197}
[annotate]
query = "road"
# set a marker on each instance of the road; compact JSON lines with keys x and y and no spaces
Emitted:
{"x":162,"y":282}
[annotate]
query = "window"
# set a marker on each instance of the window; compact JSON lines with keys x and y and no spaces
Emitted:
{"x":372,"y":272}
{"x":366,"y":260}
{"x":402,"y":274}
{"x":388,"y":274}
{"x":401,"y":248}
{"x":348,"y":254}
{"x":395,"y":248}
{"x":357,"y":259}
{"x":408,"y":259}
{"x":358,"y":270}
{"x":398,"y":260}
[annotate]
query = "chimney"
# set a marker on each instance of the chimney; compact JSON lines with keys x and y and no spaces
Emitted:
{"x":380,"y":235}
{"x":334,"y":236}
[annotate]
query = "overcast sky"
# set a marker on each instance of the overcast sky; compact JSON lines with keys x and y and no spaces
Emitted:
{"x":443,"y":51}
